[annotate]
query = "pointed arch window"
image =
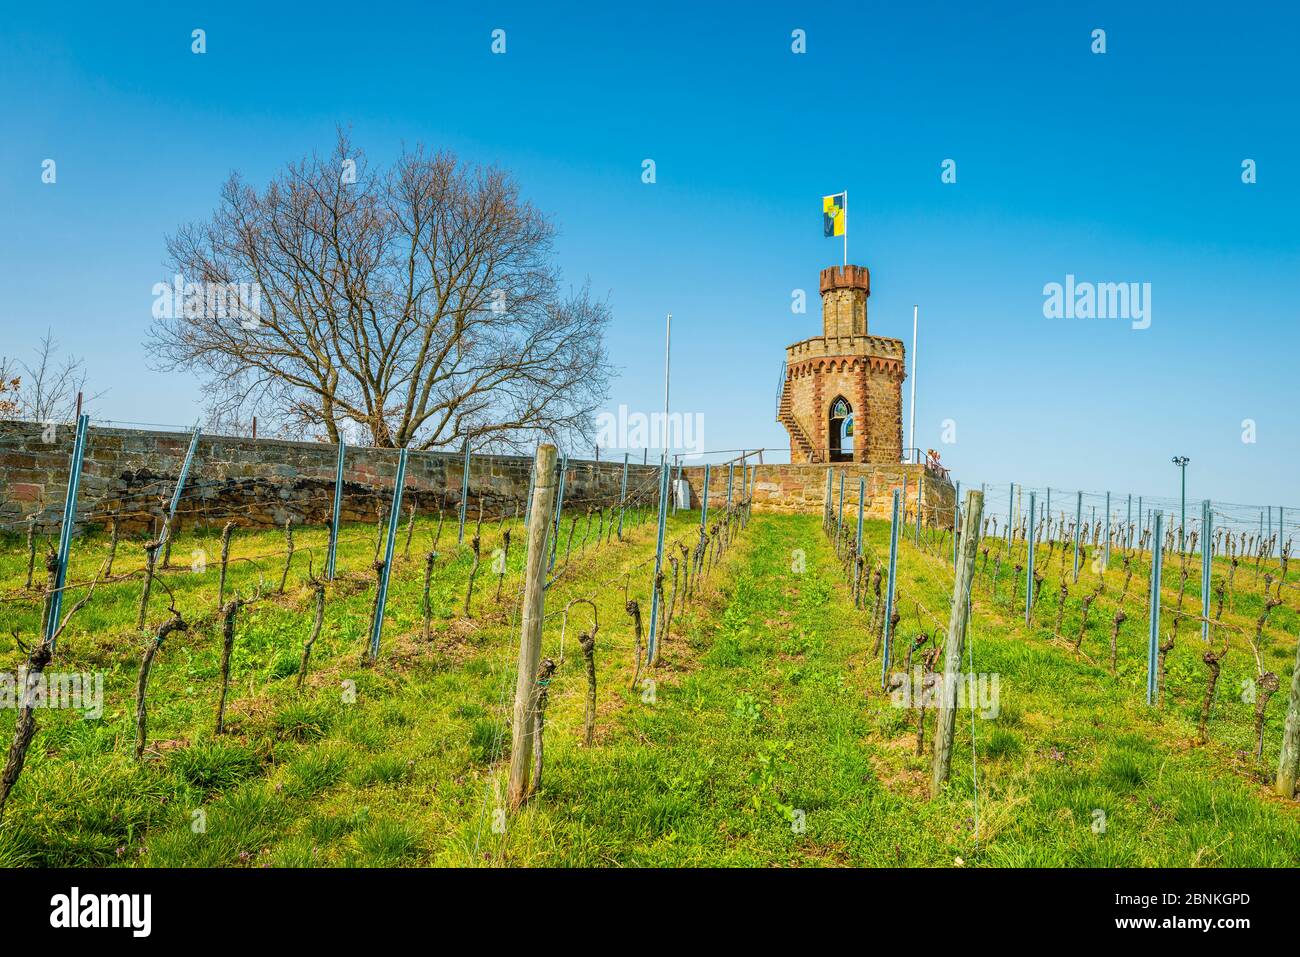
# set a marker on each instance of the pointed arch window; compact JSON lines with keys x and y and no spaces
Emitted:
{"x":841,"y":430}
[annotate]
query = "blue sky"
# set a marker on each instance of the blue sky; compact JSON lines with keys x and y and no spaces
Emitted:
{"x":1122,"y":167}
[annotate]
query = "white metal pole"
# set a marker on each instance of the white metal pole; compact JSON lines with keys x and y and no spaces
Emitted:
{"x":911,"y":428}
{"x":846,"y":227}
{"x":668,"y":340}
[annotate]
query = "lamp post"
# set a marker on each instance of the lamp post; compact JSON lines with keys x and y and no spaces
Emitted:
{"x":1181,"y":461}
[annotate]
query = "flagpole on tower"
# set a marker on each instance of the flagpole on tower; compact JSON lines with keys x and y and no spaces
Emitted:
{"x":846,"y":227}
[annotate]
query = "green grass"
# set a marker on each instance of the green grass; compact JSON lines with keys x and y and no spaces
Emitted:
{"x":762,"y":738}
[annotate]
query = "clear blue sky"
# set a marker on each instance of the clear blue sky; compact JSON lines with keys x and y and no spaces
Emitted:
{"x":1117,"y":167}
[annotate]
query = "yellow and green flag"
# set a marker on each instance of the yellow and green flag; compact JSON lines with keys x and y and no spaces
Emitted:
{"x":833,"y":215}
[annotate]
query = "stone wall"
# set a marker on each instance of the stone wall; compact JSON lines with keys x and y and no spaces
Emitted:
{"x":131,"y":474}
{"x":802,"y":488}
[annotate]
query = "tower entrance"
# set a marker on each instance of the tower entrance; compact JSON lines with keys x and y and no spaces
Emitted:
{"x":841,"y":431}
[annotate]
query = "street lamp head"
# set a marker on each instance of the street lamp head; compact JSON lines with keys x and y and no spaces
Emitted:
{"x":1181,"y":460}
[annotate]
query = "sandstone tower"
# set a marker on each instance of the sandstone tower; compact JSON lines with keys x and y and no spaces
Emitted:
{"x":842,"y":392}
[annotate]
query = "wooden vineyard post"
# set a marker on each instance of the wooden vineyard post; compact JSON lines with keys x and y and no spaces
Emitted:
{"x":530,"y":631}
{"x":1288,"y":765}
{"x":955,"y":642}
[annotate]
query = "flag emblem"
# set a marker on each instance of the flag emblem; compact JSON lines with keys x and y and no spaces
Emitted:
{"x":833,"y":215}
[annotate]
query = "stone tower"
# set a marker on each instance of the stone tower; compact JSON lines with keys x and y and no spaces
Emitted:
{"x":842,"y":392}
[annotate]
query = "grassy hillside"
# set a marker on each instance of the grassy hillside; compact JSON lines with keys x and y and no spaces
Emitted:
{"x":763,"y":738}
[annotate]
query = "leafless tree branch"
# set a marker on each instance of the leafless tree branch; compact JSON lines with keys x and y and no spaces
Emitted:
{"x":415,"y":306}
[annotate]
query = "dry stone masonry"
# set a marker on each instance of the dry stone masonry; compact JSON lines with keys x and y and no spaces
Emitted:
{"x":131,"y":474}
{"x":802,"y":488}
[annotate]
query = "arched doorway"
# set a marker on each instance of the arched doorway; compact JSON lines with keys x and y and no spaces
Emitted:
{"x":841,"y":430}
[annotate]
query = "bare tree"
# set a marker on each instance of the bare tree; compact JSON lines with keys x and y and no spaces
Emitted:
{"x":416,"y":305}
{"x":45,"y":390}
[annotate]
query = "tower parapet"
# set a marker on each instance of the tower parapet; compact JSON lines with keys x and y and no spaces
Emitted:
{"x":844,"y":292}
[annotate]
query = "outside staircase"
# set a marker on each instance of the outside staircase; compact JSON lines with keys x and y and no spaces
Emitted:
{"x":799,"y":439}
